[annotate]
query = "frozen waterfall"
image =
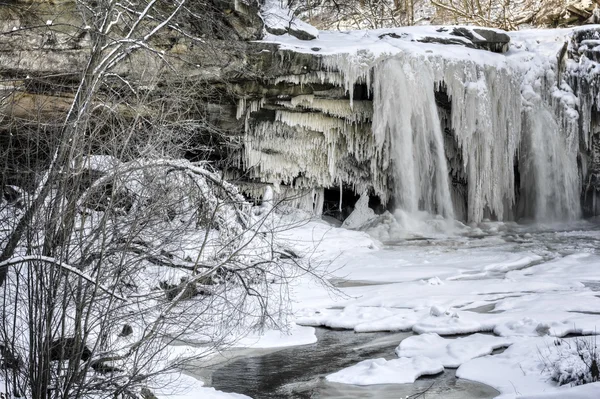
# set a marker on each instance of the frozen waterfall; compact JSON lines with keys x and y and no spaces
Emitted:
{"x":550,"y":181}
{"x":405,"y":110}
{"x":452,"y":131}
{"x":485,"y":119}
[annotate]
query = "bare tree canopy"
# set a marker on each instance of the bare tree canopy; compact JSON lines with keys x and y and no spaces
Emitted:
{"x":506,"y":14}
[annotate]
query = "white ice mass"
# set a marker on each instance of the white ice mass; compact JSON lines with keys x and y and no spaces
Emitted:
{"x":449,"y":129}
{"x":380,"y":371}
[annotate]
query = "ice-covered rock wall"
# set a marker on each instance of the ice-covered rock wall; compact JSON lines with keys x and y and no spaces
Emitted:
{"x":457,"y":130}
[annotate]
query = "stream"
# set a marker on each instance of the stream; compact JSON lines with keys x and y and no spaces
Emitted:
{"x":299,"y":372}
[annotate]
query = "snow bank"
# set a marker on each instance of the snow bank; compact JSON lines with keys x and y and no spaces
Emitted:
{"x":189,"y":388}
{"x":589,"y":391}
{"x":295,"y":335}
{"x":526,"y":369}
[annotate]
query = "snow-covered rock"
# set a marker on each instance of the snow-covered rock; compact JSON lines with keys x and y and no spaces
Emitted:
{"x":280,"y":20}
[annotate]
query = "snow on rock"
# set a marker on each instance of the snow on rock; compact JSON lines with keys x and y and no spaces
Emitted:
{"x":381,"y":371}
{"x":100,"y":163}
{"x":524,"y":327}
{"x":433,"y":281}
{"x":437,"y":311}
{"x":450,"y":352}
{"x":280,"y":20}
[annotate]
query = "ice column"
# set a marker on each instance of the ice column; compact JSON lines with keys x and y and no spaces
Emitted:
{"x":405,"y":109}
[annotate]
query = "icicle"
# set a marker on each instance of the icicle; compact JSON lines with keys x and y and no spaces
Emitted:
{"x":355,"y":68}
{"x":320,"y":77}
{"x":341,"y":194}
{"x":241,"y":108}
{"x":359,"y":112}
{"x":318,"y":201}
{"x":305,"y":98}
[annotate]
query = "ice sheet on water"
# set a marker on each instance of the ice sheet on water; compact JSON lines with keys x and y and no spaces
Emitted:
{"x":452,"y":323}
{"x":381,"y":371}
{"x":293,"y":336}
{"x":531,"y":291}
{"x":450,"y":352}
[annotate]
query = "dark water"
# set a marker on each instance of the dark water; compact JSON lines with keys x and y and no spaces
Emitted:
{"x":299,"y":372}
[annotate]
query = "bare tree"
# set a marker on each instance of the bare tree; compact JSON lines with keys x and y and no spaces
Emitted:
{"x":511,"y":14}
{"x":505,"y":14}
{"x":120,"y":246}
{"x":363,"y":14}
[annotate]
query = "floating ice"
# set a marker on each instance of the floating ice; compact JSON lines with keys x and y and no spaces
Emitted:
{"x":450,"y":352}
{"x":381,"y":371}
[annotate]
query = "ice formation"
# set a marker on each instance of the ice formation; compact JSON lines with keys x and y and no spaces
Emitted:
{"x":465,"y":134}
{"x":485,"y":118}
{"x":550,"y":182}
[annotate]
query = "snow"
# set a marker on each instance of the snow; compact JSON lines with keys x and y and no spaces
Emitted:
{"x":415,"y":269}
{"x":590,"y":391}
{"x":293,"y":336}
{"x":361,"y":213}
{"x":450,"y":352}
{"x":525,"y":369}
{"x":190,"y":388}
{"x":381,"y":371}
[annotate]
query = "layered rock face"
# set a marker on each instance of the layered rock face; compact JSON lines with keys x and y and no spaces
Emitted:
{"x":466,"y":123}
